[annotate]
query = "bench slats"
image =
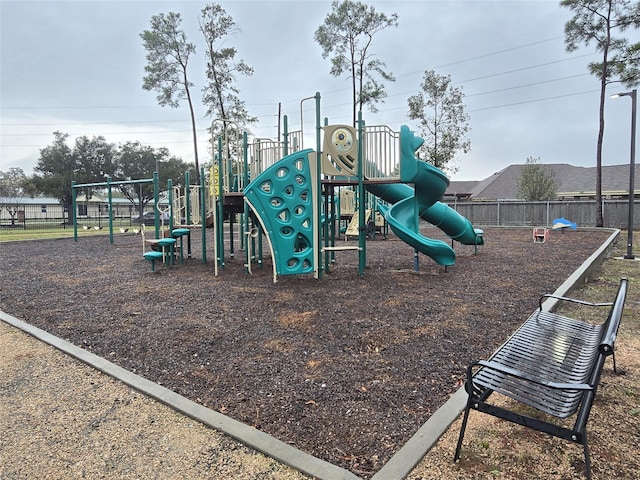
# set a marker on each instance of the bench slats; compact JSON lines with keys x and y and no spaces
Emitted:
{"x":567,"y":359}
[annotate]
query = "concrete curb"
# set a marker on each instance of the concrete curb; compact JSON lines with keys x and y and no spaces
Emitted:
{"x":398,"y":467}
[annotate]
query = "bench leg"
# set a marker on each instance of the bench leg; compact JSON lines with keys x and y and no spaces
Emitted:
{"x":613,"y":357}
{"x":587,"y":458}
{"x":462,"y":429}
{"x":465,"y":418}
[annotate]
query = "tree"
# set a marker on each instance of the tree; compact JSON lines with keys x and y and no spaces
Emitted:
{"x":95,"y":158}
{"x":90,"y":161}
{"x":14,"y":188}
{"x":221,"y":92}
{"x":168,"y":55}
{"x":537,"y":183}
{"x":443,"y":123}
{"x":596,"y":21}
{"x":56,"y":168}
{"x":136,"y":161}
{"x":13,"y":183}
{"x":347,"y":34}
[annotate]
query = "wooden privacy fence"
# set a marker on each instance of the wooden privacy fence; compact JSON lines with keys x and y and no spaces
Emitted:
{"x":500,"y":213}
{"x":581,"y":212}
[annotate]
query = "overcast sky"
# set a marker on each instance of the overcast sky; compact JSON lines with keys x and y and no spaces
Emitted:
{"x":77,"y":67}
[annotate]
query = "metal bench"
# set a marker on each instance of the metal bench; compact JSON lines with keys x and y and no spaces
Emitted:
{"x":552,"y":363}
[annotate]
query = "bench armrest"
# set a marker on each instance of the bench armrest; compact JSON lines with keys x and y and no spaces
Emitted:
{"x":573,"y":300}
{"x":614,"y":319}
{"x":512,"y":372}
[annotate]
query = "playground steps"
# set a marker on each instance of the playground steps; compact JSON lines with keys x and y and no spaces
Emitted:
{"x":343,"y":248}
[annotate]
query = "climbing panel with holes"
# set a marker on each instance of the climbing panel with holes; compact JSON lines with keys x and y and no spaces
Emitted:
{"x":282,"y":199}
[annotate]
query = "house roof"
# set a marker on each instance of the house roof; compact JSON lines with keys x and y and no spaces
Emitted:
{"x":571,"y":181}
{"x":27,"y":200}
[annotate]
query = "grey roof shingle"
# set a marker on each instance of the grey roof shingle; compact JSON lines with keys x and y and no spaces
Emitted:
{"x":570,"y":180}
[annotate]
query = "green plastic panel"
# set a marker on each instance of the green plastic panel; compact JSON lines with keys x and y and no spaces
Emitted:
{"x":281,"y":197}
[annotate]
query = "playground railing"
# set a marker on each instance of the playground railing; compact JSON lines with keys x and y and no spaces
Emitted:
{"x":295,"y":141}
{"x":262,"y":154}
{"x":382,"y":152}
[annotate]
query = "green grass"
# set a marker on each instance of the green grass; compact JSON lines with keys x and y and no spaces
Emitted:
{"x":44,"y":231}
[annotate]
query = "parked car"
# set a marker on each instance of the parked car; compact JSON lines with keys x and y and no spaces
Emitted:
{"x":149,"y":218}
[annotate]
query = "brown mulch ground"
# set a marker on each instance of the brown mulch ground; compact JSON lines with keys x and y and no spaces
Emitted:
{"x":346,"y":368}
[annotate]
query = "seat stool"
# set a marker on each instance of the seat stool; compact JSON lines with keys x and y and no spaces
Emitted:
{"x":179,"y":233}
{"x":152,"y":257}
{"x":168,"y":245}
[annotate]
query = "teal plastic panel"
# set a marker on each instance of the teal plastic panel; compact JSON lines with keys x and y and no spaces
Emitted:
{"x":281,"y":197}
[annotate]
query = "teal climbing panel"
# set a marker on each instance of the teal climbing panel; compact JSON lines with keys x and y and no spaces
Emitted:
{"x":282,"y":199}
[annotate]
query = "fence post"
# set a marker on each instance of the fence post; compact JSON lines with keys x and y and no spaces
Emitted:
{"x":548,"y":211}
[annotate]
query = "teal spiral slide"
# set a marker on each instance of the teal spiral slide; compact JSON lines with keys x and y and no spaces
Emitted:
{"x":411,"y":204}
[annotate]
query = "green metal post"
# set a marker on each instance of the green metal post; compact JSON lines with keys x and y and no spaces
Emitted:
{"x":73,"y":207}
{"x":244,"y":237}
{"x":170,"y":200}
{"x":362,"y":244}
{"x":318,"y":183}
{"x":110,"y":199}
{"x":156,"y":195}
{"x":170,"y":197}
{"x":332,"y":224}
{"x":327,"y":217}
{"x":229,"y":166}
{"x":220,"y":206}
{"x":244,"y":224}
{"x":330,"y":219}
{"x":260,"y":264}
{"x":203,"y":212}
{"x":325,"y":229}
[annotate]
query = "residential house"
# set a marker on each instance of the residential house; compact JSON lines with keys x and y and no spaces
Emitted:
{"x":574,"y":183}
{"x":17,"y":209}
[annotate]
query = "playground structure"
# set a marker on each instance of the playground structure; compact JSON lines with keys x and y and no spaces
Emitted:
{"x":295,"y":198}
